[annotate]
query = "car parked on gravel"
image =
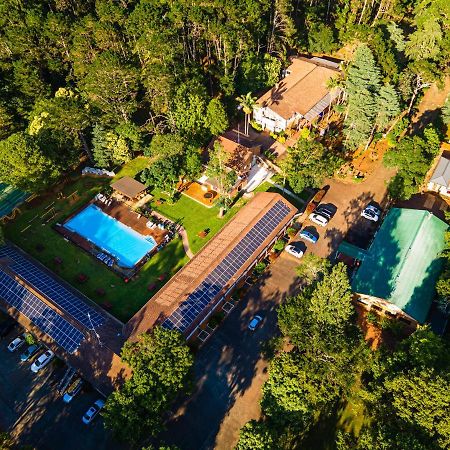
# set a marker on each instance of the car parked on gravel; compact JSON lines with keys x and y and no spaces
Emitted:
{"x":307,"y":236}
{"x":318,"y":219}
{"x":294,"y":249}
{"x":372,"y":213}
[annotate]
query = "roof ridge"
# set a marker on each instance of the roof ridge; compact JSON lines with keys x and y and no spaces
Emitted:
{"x":426,"y":215}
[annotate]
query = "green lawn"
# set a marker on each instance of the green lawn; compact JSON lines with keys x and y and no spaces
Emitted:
{"x":194,"y":217}
{"x":125,"y":299}
{"x":132,"y":168}
{"x":268,"y":187}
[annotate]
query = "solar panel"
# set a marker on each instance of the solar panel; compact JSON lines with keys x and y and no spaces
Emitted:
{"x":47,"y":320}
{"x":50,"y":288}
{"x":205,"y":293}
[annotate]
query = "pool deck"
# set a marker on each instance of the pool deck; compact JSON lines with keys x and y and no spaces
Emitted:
{"x":138,"y":223}
{"x":125,"y":215}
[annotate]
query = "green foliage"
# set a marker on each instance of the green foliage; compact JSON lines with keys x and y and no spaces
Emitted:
{"x":260,"y":268}
{"x":255,"y":436}
{"x":216,"y":117}
{"x":109,"y":148}
{"x":312,"y":268}
{"x":321,"y":39}
{"x":163,"y":173}
{"x":307,"y":164}
{"x":445,"y":112}
{"x":412,"y":156}
{"x":25,"y":165}
{"x":407,"y":395}
{"x":161,"y":364}
{"x":279,"y":245}
{"x":362,"y":85}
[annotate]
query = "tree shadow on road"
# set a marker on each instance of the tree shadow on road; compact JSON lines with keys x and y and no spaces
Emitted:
{"x":226,"y":367}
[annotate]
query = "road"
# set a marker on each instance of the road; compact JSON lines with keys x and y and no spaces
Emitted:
{"x":229,"y":368}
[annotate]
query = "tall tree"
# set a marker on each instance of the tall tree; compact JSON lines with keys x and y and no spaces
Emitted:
{"x":161,"y":364}
{"x":25,"y":165}
{"x":216,"y":117}
{"x":362,"y":86}
{"x":247,"y":103}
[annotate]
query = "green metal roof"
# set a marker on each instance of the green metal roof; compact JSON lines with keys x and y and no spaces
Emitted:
{"x":352,"y":250}
{"x":404,"y":262}
{"x":10,"y":197}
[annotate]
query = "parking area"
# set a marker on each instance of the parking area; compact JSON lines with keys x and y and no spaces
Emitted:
{"x":34,"y":412}
{"x":347,"y":201}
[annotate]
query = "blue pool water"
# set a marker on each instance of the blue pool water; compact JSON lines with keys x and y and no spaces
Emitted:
{"x":120,"y":241}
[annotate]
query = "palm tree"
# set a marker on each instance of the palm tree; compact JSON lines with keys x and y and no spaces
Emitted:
{"x":247,"y":104}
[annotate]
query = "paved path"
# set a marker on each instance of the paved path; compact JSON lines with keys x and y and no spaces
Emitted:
{"x":230,"y":370}
{"x":184,"y":237}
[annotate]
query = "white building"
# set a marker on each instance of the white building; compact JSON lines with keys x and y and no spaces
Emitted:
{"x":301,"y":95}
{"x":440,"y":180}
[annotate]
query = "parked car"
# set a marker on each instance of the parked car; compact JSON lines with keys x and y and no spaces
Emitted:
{"x":74,"y":389}
{"x":255,"y":323}
{"x":307,"y":236}
{"x":371,"y":212}
{"x":90,"y":414}
{"x":324,"y":211}
{"x":29,"y":352}
{"x":7,"y":326}
{"x":16,"y":343}
{"x":318,"y":219}
{"x":294,"y":250}
{"x":42,"y":361}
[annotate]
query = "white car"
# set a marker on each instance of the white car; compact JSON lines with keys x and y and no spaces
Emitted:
{"x":16,"y":343}
{"x":42,"y":361}
{"x":318,"y":219}
{"x":371,"y":213}
{"x":294,"y":250}
{"x":90,"y":414}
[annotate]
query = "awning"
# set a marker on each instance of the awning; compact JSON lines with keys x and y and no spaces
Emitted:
{"x":352,"y":251}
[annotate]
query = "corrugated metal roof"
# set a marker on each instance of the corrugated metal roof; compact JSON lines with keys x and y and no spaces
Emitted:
{"x":352,"y":251}
{"x":403,"y":262}
{"x":441,"y":174}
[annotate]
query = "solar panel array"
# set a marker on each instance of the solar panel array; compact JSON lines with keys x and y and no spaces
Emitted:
{"x":205,"y":293}
{"x":47,"y":320}
{"x":50,"y":288}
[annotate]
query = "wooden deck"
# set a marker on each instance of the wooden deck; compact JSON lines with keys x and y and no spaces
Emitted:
{"x":196,"y":192}
{"x":137,"y":222}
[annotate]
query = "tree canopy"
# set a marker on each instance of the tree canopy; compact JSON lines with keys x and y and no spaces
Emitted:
{"x":161,"y":364}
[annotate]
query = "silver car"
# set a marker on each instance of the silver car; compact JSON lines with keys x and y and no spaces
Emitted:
{"x":372,"y":213}
{"x":42,"y":361}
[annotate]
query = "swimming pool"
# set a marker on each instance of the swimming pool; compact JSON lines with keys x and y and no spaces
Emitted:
{"x":120,"y":241}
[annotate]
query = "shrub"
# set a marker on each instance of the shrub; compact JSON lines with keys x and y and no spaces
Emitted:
{"x":259,"y":268}
{"x":372,"y":318}
{"x":279,"y":245}
{"x":256,"y":126}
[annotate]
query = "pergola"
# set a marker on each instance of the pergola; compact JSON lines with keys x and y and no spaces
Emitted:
{"x":128,"y":187}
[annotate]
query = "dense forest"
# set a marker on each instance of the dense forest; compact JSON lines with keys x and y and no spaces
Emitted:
{"x":321,"y":365}
{"x":102,"y":77}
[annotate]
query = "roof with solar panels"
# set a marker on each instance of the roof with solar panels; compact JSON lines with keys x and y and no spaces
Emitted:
{"x":191,"y":294}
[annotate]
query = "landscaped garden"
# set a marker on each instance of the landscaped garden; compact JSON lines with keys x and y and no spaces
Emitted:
{"x":33,"y":232}
{"x":200,"y":223}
